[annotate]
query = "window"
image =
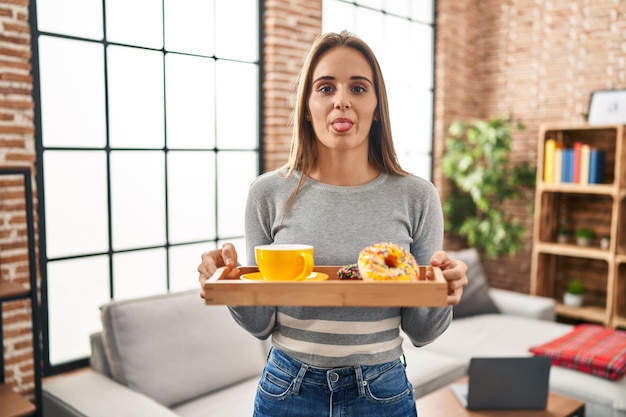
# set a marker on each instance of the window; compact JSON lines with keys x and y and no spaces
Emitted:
{"x":148,"y":119}
{"x":401,"y":34}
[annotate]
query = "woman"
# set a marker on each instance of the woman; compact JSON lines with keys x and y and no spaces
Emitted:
{"x":341,"y":190}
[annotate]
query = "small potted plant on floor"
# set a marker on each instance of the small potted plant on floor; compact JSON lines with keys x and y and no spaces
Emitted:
{"x":573,"y":297}
{"x":584,"y":236}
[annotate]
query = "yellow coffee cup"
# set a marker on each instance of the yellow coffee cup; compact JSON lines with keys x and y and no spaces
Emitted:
{"x":283,"y":262}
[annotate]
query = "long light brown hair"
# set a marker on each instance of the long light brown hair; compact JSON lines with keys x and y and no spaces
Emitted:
{"x":303,"y":152}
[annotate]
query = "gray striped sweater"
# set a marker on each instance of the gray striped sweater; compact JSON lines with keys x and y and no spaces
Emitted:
{"x":340,"y":221}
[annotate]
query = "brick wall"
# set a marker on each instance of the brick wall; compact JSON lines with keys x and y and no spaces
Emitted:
{"x":455,"y":63}
{"x":17,"y":149}
{"x":540,"y":59}
{"x":290,"y":28}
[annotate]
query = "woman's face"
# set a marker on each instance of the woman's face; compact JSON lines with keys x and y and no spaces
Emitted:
{"x":342,"y":104}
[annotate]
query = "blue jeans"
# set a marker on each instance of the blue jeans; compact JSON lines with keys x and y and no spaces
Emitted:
{"x":290,"y":388}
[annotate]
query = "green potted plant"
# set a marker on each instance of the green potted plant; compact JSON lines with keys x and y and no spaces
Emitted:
{"x":563,"y":234}
{"x":574,"y":295}
{"x":584,"y":236}
{"x":483,"y":180}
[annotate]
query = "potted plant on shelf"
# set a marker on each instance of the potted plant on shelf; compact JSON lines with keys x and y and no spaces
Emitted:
{"x":573,"y":297}
{"x":563,"y":234}
{"x":584,"y":236}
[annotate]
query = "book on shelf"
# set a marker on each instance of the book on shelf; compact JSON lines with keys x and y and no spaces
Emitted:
{"x":549,"y":161}
{"x":597,"y":160}
{"x":585,"y":154}
{"x":567,"y":165}
{"x":576,"y":164}
{"x":558,"y":164}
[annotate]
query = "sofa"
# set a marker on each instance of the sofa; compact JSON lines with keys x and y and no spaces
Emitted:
{"x":171,"y":355}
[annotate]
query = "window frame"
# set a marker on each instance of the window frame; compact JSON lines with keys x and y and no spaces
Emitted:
{"x":368,"y":6}
{"x":48,"y":367}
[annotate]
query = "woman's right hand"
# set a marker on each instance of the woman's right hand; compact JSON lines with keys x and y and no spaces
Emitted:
{"x":217,"y":258}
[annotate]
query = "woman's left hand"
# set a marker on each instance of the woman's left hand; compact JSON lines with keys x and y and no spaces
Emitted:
{"x":455,"y":273}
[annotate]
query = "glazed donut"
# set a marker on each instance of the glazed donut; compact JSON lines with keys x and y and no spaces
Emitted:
{"x":387,"y":262}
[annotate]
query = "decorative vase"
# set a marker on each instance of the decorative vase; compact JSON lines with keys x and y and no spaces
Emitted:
{"x":572,"y":300}
{"x":583,"y":241}
{"x":604,"y":243}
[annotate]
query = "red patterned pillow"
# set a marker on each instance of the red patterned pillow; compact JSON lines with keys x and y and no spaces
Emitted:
{"x":589,"y":348}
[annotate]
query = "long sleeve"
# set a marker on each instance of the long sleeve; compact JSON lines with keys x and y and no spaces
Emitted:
{"x":423,"y":325}
{"x":258,"y":321}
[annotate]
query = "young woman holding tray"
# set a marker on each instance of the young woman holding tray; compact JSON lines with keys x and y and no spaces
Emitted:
{"x":341,"y":191}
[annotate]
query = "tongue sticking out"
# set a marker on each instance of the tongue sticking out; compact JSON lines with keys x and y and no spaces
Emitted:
{"x":342,"y":126}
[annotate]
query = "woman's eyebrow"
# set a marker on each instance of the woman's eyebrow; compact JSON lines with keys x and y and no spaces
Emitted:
{"x":324,"y":78}
{"x":361,"y":77}
{"x":354,"y":77}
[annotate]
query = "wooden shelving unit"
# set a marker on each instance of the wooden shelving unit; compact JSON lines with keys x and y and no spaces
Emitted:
{"x":601,"y":207}
{"x":13,"y":404}
{"x":619,"y":301}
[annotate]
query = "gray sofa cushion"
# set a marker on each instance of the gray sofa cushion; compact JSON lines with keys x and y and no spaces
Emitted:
{"x":476,"y":298}
{"x":524,"y":305}
{"x":87,"y":393}
{"x":174,"y":348}
{"x":428,"y":371}
{"x":495,"y":335}
{"x":98,"y":359}
{"x":233,"y":401}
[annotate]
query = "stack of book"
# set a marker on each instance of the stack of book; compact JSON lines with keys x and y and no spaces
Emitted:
{"x":578,"y":164}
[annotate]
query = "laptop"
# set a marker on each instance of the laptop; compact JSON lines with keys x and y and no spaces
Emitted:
{"x":520,"y":383}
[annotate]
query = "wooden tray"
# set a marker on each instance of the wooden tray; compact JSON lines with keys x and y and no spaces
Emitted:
{"x":329,"y":293}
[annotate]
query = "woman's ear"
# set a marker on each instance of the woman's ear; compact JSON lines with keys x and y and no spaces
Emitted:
{"x":376,"y":116}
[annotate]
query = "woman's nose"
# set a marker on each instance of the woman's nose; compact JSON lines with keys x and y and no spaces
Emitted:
{"x":341,"y":101}
{"x":342,"y":104}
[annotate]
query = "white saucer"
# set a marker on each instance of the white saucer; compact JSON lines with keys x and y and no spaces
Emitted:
{"x":257,"y":276}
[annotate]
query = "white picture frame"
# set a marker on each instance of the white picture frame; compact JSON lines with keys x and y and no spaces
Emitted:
{"x":607,"y":107}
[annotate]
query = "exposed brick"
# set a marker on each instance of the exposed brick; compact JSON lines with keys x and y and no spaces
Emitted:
{"x":15,"y":52}
{"x":17,"y":40}
{"x":17,"y":104}
{"x":19,"y":27}
{"x":17,"y":150}
{"x":22,"y":158}
{"x":17,"y":2}
{"x":14,"y":90}
{"x":290,"y":26}
{"x":9,"y":129}
{"x":11,"y":143}
{"x":8,"y":76}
